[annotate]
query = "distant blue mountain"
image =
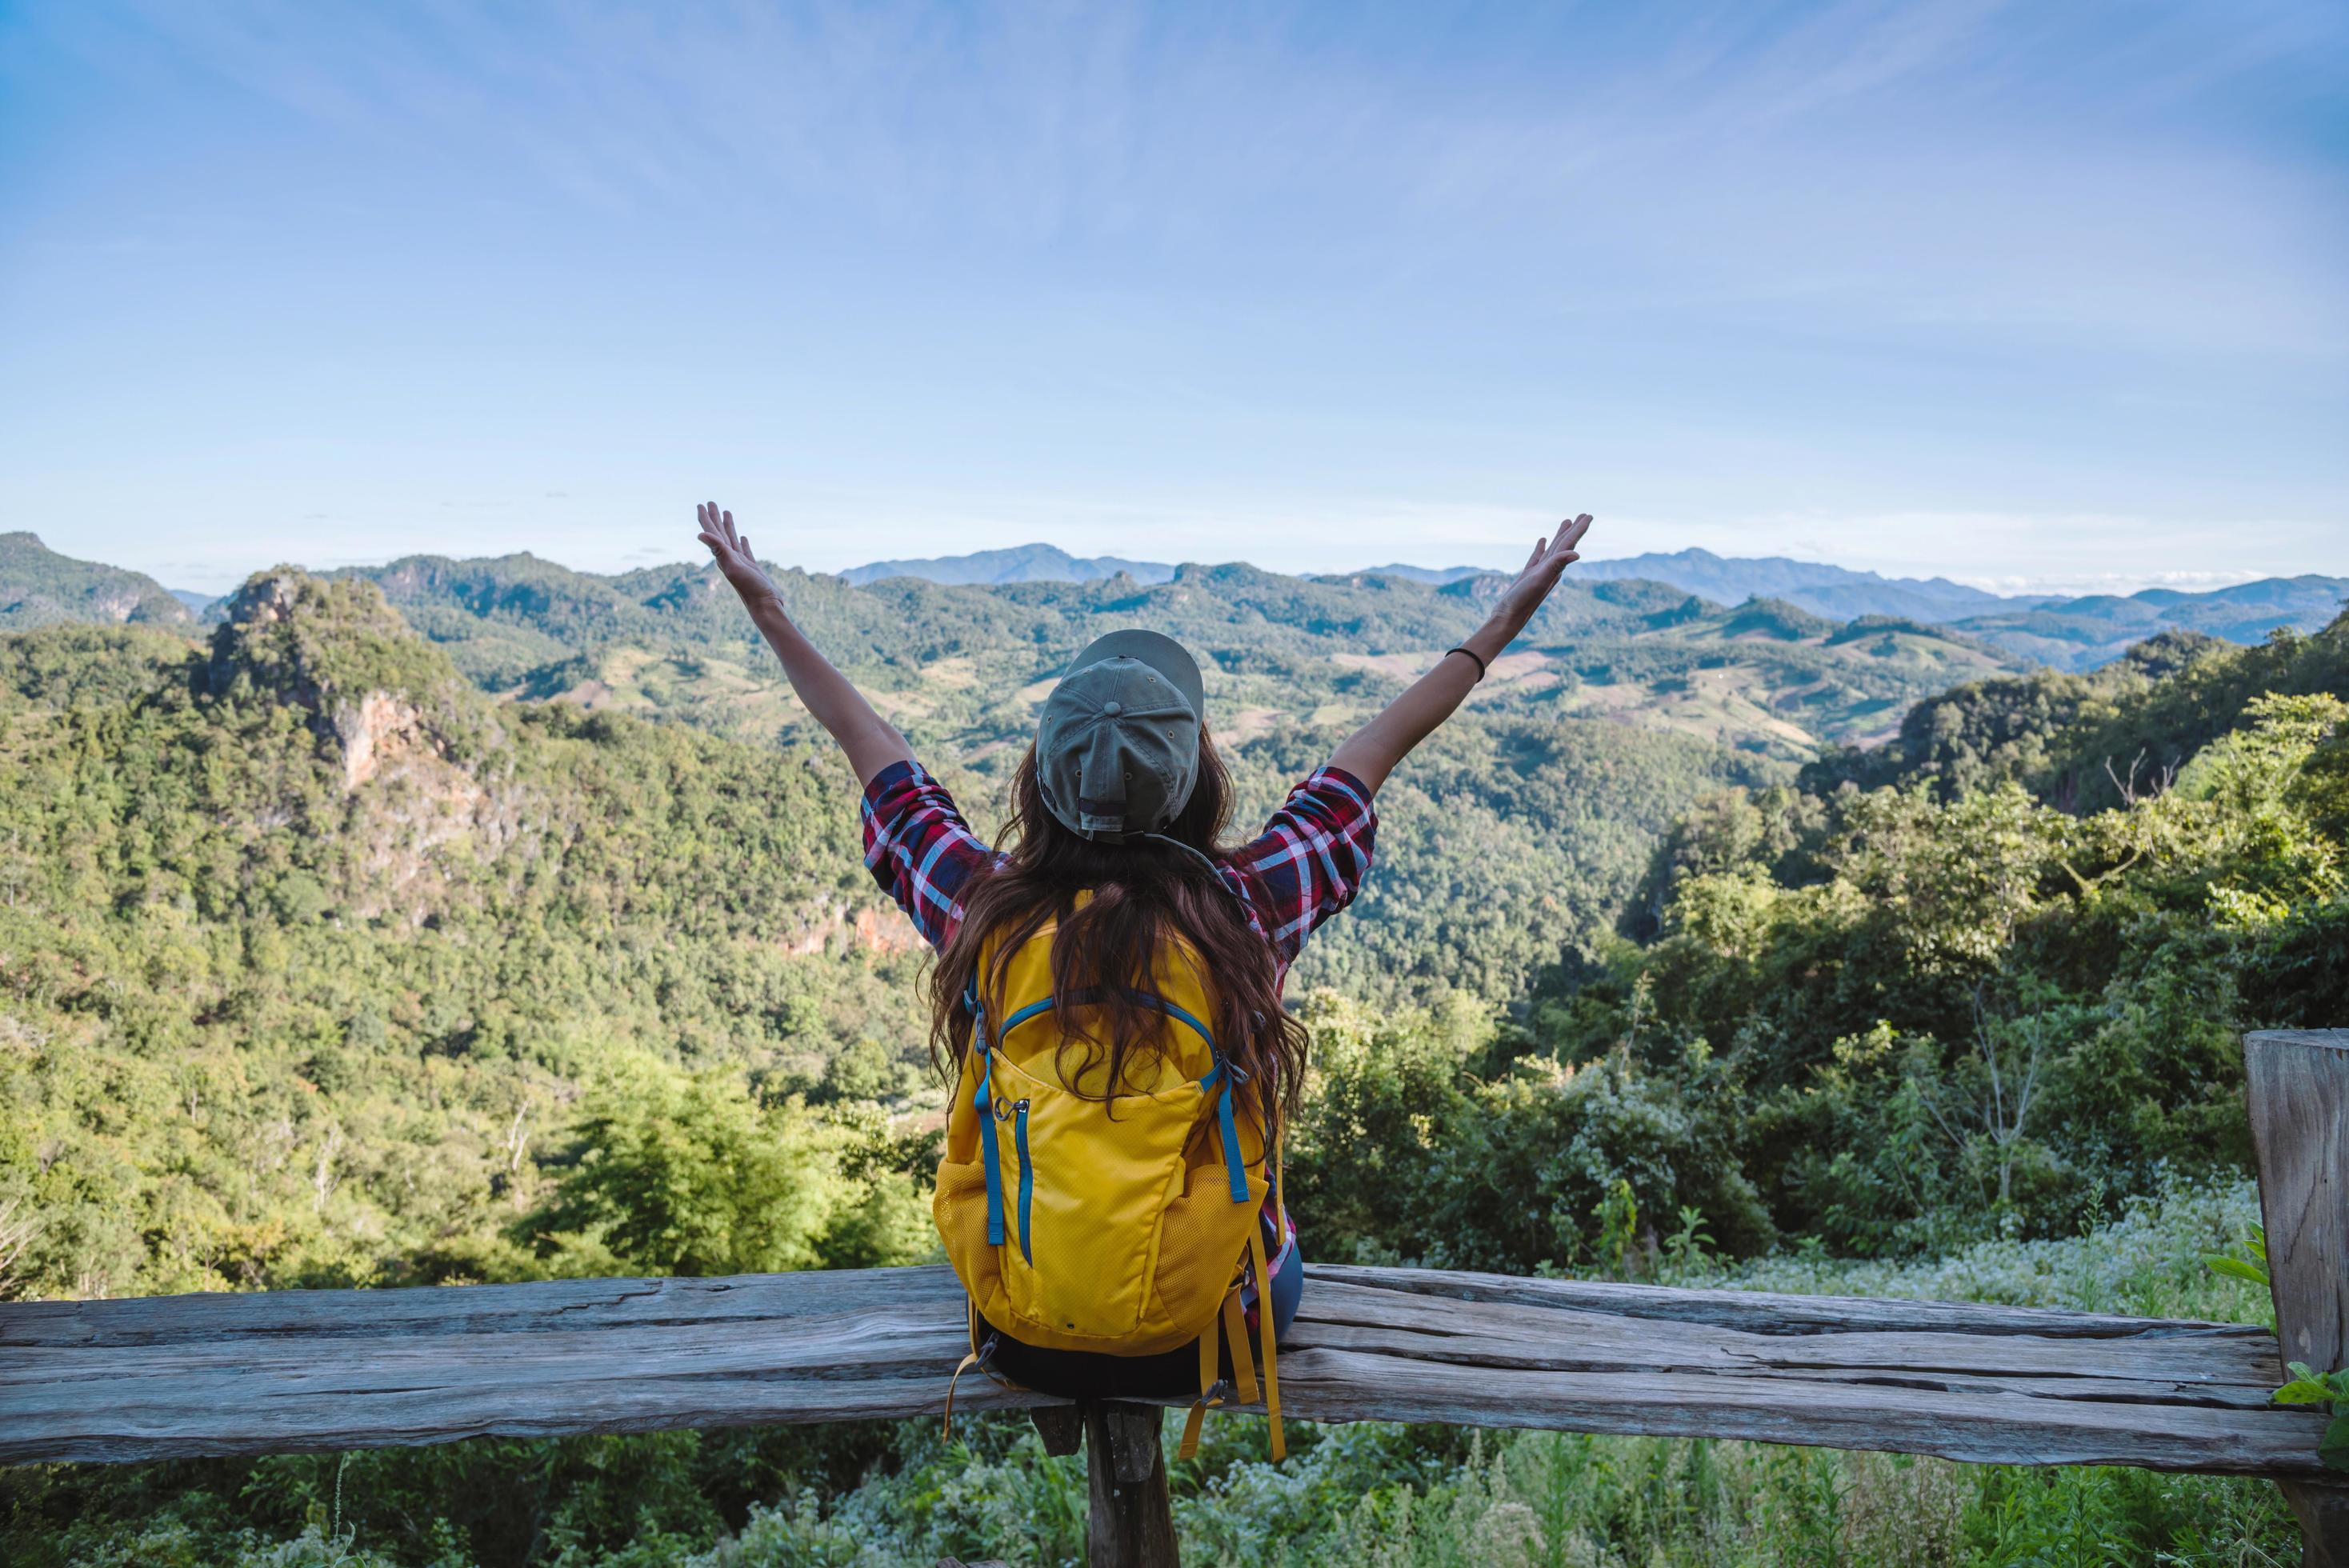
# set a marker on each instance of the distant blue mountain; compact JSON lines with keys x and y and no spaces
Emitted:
{"x":1433,"y":577}
{"x":1823,"y":590}
{"x":1020,"y":563}
{"x":2081,"y":634}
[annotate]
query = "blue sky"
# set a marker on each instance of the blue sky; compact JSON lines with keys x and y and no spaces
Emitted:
{"x":2041,"y":294}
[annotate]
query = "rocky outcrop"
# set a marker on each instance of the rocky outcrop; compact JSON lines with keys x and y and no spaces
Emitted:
{"x":375,"y":728}
{"x":868,"y":928}
{"x":373,"y":690}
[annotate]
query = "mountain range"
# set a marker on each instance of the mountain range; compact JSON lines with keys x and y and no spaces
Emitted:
{"x":2071,"y":633}
{"x":38,"y":587}
{"x":962,"y":663}
{"x":1821,"y":589}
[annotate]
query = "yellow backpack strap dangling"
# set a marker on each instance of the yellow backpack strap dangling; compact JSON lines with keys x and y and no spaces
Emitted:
{"x":964,"y":1365}
{"x":1235,"y":1336}
{"x":1265,"y":1327}
{"x":1211,"y":1382}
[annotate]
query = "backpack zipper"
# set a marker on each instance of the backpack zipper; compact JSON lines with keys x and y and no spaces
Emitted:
{"x":1027,"y":1173}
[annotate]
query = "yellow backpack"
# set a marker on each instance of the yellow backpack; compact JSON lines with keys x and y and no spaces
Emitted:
{"x":1116,"y":1227}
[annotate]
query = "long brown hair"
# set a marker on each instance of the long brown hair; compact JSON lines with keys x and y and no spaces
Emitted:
{"x":1143,"y":894}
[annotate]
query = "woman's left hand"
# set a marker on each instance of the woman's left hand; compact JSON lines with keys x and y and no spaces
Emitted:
{"x":733,"y":552}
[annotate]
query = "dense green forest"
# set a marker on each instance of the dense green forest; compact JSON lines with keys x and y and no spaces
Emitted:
{"x":1898,"y":1019}
{"x":311,"y":948}
{"x":335,"y":954}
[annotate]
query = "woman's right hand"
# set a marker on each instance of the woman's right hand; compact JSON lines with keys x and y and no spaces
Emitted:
{"x":733,"y":552}
{"x":871,"y":743}
{"x":1551,"y":557}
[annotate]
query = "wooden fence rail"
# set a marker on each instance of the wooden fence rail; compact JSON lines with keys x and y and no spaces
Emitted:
{"x":175,"y":1376}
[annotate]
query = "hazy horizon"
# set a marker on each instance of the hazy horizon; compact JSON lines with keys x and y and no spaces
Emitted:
{"x":2185,"y":581}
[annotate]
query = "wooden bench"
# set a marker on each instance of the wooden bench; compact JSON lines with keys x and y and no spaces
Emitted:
{"x":175,"y":1376}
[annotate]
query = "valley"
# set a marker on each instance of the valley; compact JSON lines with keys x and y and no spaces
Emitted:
{"x":456,"y":920}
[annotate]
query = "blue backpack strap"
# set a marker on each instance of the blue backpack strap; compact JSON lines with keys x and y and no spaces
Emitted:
{"x":1222,"y":1075}
{"x":1231,"y":1077}
{"x":1228,"y":1127}
{"x":982,"y":1101}
{"x":1022,"y":1016}
{"x":1092,"y":994}
{"x":1180,"y":1016}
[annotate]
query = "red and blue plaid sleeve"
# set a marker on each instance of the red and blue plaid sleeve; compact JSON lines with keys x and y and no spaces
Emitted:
{"x":1309,"y":861}
{"x":919,"y":848}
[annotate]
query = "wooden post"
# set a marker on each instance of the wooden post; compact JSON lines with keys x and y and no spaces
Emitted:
{"x":1131,"y":1524}
{"x":2298,"y":1082}
{"x":1062,"y":1428}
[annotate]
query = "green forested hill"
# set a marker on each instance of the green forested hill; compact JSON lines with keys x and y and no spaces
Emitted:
{"x":2086,"y":742}
{"x":39,"y":587}
{"x":961,"y":667}
{"x":302,"y":943}
{"x":1623,"y":700}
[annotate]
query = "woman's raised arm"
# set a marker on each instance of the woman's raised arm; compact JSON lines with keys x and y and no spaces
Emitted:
{"x":1372,"y":751}
{"x":871,"y":741}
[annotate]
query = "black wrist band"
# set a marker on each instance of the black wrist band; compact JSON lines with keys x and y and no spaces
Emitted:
{"x":1480,"y":663}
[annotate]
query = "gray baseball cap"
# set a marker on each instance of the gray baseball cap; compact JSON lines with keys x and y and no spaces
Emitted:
{"x":1117,"y":748}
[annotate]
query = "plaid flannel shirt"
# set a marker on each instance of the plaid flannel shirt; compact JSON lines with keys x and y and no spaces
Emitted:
{"x":1306,"y":866}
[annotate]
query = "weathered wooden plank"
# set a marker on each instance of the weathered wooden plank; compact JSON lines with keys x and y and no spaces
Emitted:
{"x":1493,"y":1335}
{"x":2188,"y":1356}
{"x":2299,"y":1096}
{"x":1762,"y":1312}
{"x":895,"y":1342}
{"x":548,"y":1307}
{"x":438,"y":1414}
{"x":562,"y":1304}
{"x":307,"y":1370}
{"x":2297,"y":1086}
{"x":1497,"y":1334}
{"x":341,"y":1369}
{"x":1331,"y":1384}
{"x":1924,"y":1374}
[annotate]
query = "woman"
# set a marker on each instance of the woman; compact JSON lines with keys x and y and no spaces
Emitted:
{"x":1107,"y":996}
